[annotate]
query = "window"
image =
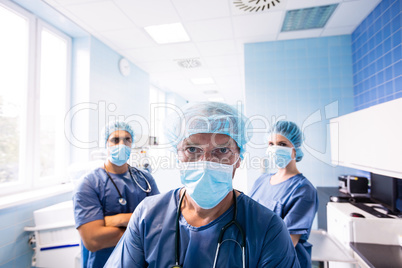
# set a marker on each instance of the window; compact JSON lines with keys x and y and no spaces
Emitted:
{"x":34,"y":90}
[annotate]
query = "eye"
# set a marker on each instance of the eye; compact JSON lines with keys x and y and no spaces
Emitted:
{"x":193,"y":150}
{"x":270,"y":143}
{"x":114,"y":140}
{"x":223,"y":150}
{"x":282,"y":144}
{"x":128,"y":139}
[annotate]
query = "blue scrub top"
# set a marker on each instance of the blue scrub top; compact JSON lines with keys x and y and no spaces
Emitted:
{"x":296,"y":202}
{"x":95,"y":197}
{"x":149,"y":240}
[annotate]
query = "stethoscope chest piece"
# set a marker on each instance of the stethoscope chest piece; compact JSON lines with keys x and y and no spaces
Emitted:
{"x":122,"y":201}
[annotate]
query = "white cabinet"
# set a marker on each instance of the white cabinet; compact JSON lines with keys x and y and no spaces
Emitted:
{"x":370,"y":139}
{"x":371,"y":230}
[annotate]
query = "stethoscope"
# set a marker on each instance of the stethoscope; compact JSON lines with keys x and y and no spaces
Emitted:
{"x":122,"y":200}
{"x":221,"y":233}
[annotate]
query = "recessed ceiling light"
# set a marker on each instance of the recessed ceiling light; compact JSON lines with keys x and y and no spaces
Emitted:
{"x":307,"y":18}
{"x":203,"y":81}
{"x":168,"y":33}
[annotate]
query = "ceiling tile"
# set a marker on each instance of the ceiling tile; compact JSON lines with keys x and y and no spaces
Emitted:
{"x":147,"y":13}
{"x":297,"y":4}
{"x":227,"y":61}
{"x":102,"y":16}
{"x":164,"y":52}
{"x":215,"y":48}
{"x":258,"y":24}
{"x":210,"y":30}
{"x":351,"y":13}
{"x":201,"y":10}
{"x":129,"y":38}
{"x":300,"y":34}
{"x":338,"y":31}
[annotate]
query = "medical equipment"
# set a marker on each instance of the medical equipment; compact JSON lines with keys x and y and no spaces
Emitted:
{"x":54,"y":239}
{"x":122,"y":200}
{"x":221,"y":233}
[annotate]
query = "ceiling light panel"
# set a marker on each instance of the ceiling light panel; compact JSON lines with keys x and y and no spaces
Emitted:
{"x":168,"y":33}
{"x":307,"y":18}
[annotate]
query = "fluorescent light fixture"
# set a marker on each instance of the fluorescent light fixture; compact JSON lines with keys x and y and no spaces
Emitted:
{"x":203,"y":81}
{"x":168,"y":33}
{"x":307,"y":18}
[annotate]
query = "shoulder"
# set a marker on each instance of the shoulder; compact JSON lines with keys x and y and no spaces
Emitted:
{"x":157,"y":204}
{"x":303,"y":187}
{"x":254,"y":210}
{"x":90,"y":180}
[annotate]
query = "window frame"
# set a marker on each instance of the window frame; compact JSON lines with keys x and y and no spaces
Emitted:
{"x":29,"y":154}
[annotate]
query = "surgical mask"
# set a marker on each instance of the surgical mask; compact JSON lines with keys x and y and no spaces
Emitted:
{"x":119,"y":154}
{"x":280,"y":156}
{"x":208,"y":183}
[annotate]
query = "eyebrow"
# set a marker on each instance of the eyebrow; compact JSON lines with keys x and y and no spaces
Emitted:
{"x":226,"y":144}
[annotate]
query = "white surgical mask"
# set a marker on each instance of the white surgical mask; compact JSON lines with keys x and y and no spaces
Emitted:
{"x":208,"y":183}
{"x":280,"y":155}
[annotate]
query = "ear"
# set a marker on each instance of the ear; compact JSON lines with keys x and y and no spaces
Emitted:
{"x":238,"y":163}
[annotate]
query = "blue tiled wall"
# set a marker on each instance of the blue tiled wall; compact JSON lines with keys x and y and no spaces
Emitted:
{"x":15,"y":252}
{"x":308,"y":81}
{"x":377,"y":54}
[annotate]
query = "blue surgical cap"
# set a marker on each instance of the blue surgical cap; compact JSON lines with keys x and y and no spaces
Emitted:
{"x":117,"y":125}
{"x":291,"y":132}
{"x":208,"y":117}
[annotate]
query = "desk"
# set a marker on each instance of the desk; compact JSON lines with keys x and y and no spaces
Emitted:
{"x":376,"y":255}
{"x":326,"y":249}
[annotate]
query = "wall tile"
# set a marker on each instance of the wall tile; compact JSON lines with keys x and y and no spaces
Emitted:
{"x":377,"y":59}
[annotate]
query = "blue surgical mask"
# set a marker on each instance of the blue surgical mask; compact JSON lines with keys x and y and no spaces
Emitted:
{"x":206,"y":182}
{"x":280,"y":155}
{"x":119,"y":154}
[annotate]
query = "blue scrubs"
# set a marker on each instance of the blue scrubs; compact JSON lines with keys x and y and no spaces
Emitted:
{"x":96,"y":197}
{"x":149,"y":240}
{"x":296,"y":202}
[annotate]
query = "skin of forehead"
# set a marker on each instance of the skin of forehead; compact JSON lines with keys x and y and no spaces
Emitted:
{"x":206,"y":140}
{"x":119,"y":134}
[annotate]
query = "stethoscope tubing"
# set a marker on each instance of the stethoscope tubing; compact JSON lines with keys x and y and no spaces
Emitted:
{"x":122,"y":200}
{"x":221,"y":233}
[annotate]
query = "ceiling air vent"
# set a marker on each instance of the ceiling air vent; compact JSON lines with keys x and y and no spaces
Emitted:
{"x":307,"y":18}
{"x":189,"y":63}
{"x":256,"y":5}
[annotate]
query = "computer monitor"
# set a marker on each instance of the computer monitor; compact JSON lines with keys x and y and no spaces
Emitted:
{"x":386,"y":191}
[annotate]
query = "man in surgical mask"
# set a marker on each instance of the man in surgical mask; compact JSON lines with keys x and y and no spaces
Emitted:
{"x":105,"y":198}
{"x":206,"y":223}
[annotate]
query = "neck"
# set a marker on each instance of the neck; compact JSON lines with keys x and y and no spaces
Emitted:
{"x":286,"y":173}
{"x":112,"y":168}
{"x":197,"y":216}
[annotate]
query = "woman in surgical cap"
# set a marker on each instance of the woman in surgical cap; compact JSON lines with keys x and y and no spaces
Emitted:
{"x":205,"y":223}
{"x":287,"y":192}
{"x":106,"y":197}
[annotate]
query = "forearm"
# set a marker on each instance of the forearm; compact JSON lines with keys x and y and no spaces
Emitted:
{"x":96,"y":236}
{"x":118,"y":220}
{"x":295,"y":239}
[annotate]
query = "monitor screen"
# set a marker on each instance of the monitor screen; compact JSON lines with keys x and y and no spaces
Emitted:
{"x":384,"y":190}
